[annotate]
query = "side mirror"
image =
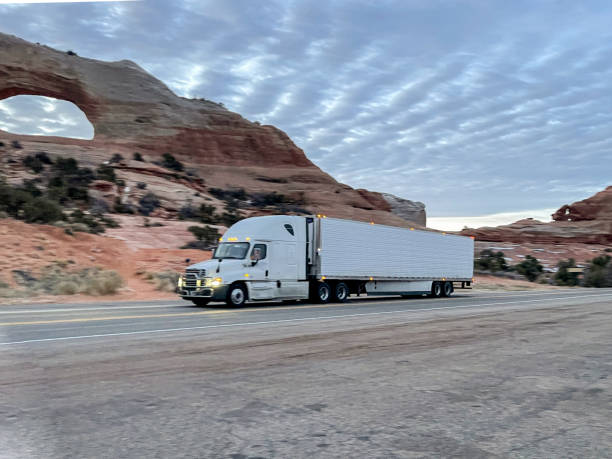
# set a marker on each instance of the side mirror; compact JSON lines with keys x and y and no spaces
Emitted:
{"x":254,"y":262}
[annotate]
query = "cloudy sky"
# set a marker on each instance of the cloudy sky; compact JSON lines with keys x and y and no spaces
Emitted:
{"x":474,"y":107}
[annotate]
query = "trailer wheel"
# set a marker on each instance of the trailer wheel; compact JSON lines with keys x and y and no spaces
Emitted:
{"x":200,"y":301}
{"x":436,"y":290}
{"x":447,"y":289}
{"x":341,"y":293}
{"x":236,"y":296}
{"x":321,"y":292}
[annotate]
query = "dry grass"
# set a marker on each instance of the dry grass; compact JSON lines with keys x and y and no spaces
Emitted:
{"x":57,"y":279}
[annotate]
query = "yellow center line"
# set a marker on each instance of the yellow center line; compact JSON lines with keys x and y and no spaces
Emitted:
{"x":202,"y":313}
{"x":92,"y":319}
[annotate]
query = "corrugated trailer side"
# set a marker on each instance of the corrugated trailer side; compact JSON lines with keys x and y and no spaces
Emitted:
{"x":356,"y":250}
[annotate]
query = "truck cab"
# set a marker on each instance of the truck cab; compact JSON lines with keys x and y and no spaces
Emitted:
{"x":259,"y":258}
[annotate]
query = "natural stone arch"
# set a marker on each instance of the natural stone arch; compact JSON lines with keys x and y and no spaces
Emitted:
{"x":45,"y":113}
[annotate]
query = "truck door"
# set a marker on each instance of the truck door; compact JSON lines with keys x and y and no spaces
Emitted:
{"x":261,"y":287}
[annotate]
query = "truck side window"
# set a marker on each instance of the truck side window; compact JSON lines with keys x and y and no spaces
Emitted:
{"x":258,"y":252}
{"x":289,"y":228}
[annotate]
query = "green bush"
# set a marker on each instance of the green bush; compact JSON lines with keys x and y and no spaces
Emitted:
{"x":599,"y":272}
{"x":530,"y":268}
{"x":148,"y":203}
{"x":34,"y":164}
{"x":42,"y":210}
{"x":106,"y":172}
{"x":490,"y":261}
{"x":563,"y":276}
{"x":170,"y":162}
{"x":206,"y":237}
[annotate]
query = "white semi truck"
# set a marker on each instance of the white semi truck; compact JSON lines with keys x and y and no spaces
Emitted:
{"x":326,"y":259}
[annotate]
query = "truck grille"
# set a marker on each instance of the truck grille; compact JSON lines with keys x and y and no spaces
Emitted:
{"x":191,"y":277}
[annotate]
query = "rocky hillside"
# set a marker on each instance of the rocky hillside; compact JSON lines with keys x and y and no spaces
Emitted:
{"x":185,"y":152}
{"x":588,"y":221}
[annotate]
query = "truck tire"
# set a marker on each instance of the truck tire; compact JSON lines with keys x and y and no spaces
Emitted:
{"x":321,"y":292}
{"x":200,"y":301}
{"x":341,"y":293}
{"x":447,"y":289}
{"x":436,"y":290}
{"x":236,"y":296}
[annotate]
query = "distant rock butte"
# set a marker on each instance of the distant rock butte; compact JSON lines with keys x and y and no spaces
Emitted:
{"x":588,"y":221}
{"x":132,"y":111}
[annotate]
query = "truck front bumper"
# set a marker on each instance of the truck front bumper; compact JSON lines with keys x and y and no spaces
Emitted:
{"x":214,"y":294}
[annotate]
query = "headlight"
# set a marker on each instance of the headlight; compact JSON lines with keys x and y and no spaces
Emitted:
{"x":180,"y":282}
{"x":216,"y":282}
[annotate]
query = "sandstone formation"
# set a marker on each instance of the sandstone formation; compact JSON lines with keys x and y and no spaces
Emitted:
{"x":409,"y":210}
{"x":588,"y":221}
{"x":597,"y":207}
{"x":132,"y":111}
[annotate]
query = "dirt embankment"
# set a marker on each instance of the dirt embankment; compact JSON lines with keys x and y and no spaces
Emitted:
{"x":26,"y":250}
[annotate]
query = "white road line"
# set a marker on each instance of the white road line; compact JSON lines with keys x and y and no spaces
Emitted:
{"x":302,"y":319}
{"x":480,"y":295}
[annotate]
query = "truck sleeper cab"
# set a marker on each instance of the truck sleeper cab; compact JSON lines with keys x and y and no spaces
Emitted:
{"x":295,"y":258}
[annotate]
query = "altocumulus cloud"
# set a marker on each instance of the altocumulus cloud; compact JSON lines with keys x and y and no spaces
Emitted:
{"x":471,"y":107}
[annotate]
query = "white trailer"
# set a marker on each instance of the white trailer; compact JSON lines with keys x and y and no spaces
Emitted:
{"x":327,"y":259}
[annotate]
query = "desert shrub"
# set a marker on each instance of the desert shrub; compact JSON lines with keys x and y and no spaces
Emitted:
{"x":2,"y":144}
{"x":122,"y":208}
{"x":34,"y":164}
{"x":490,"y":261}
{"x":116,"y":158}
{"x":530,"y":268}
{"x":58,"y":279}
{"x":42,"y":210}
{"x":148,"y":203}
{"x":16,"y":145}
{"x":165,"y":281}
{"x":66,"y":288}
{"x":272,"y":180}
{"x":268,"y":199}
{"x":563,"y":276}
{"x":206,"y":214}
{"x":170,"y":162}
{"x":141,"y":185}
{"x":80,"y":221}
{"x":137,"y":157}
{"x":43,"y":157}
{"x":68,"y":181}
{"x":599,"y":272}
{"x":106,"y":172}
{"x":206,"y":236}
{"x":187,"y":212}
{"x":238,"y":194}
{"x":71,"y":53}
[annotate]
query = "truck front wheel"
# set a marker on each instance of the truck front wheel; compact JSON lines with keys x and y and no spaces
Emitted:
{"x":341,"y":292}
{"x":236,"y":296}
{"x":321,"y":292}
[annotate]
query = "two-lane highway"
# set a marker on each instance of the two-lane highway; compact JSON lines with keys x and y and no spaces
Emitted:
{"x":44,"y":323}
{"x":482,"y":374}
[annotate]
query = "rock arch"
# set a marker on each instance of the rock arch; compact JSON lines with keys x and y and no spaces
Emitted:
{"x":46,"y":114}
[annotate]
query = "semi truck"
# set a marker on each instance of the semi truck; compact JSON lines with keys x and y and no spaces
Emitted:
{"x":286,"y":258}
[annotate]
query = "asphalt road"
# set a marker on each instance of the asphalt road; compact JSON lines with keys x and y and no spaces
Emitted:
{"x":522,"y":374}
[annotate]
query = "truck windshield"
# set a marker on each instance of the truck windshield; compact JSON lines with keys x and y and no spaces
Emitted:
{"x":236,"y":250}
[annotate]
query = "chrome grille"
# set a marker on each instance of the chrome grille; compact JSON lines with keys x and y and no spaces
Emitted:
{"x":191,"y":277}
